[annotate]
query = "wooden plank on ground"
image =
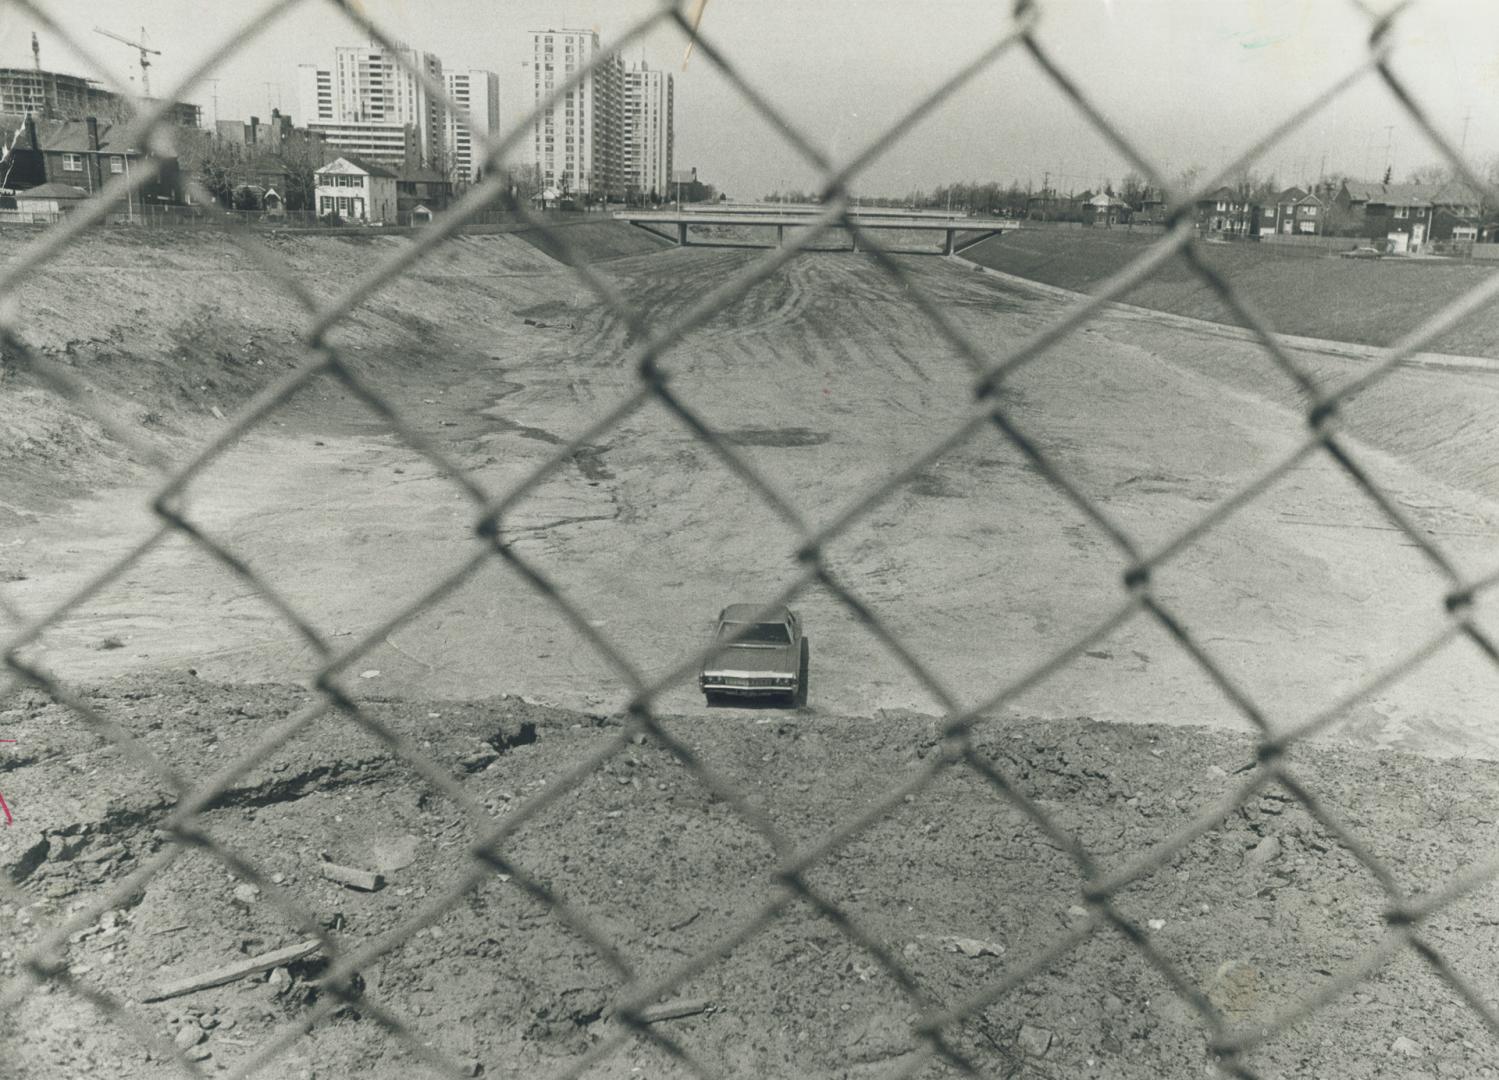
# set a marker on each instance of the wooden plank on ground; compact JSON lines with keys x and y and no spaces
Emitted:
{"x":351,"y":876}
{"x":673,"y":1010}
{"x":232,"y":972}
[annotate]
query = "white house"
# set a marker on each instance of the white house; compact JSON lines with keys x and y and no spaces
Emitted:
{"x":1106,"y":209}
{"x":356,"y":190}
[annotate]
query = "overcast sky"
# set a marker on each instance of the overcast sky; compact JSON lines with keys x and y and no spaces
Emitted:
{"x":1192,"y":81}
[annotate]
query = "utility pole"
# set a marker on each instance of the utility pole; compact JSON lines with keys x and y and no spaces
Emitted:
{"x":129,"y":202}
{"x":1462,"y":147}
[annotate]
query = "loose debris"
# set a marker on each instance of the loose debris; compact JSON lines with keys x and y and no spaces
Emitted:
{"x":1405,"y":1047}
{"x":971,"y":947}
{"x":1033,"y":1040}
{"x":353,"y":877}
{"x":674,"y":1010}
{"x":639,"y":847}
{"x":233,"y":972}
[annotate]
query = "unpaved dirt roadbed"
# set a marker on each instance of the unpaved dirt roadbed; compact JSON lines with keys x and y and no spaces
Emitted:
{"x":957,"y":885}
{"x":825,"y":378}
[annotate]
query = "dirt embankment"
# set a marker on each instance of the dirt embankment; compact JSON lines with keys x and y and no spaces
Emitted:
{"x":1373,"y":302}
{"x":827,"y":379}
{"x":957,"y":885}
{"x":592,"y":241}
{"x":977,"y":563}
{"x":166,"y":327}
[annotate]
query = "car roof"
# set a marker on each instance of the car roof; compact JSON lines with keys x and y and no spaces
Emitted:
{"x":747,"y":613}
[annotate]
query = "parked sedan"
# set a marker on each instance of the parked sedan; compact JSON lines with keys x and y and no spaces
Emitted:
{"x":1362,"y":253}
{"x":764,"y":657}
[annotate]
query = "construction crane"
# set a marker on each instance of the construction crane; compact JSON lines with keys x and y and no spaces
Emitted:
{"x":145,"y":79}
{"x":41,"y":80}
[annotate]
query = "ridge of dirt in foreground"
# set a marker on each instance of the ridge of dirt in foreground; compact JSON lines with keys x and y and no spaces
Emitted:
{"x":957,"y":885}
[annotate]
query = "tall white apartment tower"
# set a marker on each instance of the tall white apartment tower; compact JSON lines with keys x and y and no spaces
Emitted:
{"x":649,"y":123}
{"x":478,"y":93}
{"x":368,"y":86}
{"x":578,"y":144}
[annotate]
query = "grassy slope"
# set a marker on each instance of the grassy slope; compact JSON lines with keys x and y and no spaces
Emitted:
{"x":1370,"y":302}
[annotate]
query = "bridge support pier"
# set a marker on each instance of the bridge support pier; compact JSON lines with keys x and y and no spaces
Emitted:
{"x":682,"y":235}
{"x":780,"y":236}
{"x":947,"y":244}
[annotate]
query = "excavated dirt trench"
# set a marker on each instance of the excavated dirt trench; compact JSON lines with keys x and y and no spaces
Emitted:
{"x":826,"y":380}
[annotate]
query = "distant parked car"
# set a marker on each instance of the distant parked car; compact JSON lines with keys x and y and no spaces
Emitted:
{"x":768,"y":657}
{"x":1362,"y":253}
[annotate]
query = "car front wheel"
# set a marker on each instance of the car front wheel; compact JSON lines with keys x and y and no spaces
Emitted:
{"x":799,"y":696}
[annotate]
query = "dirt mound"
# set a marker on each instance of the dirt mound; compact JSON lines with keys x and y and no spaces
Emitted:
{"x":172,"y":330}
{"x":1370,"y":302}
{"x":957,"y":886}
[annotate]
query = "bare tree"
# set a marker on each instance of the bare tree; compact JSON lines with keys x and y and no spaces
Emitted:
{"x":1186,"y":180}
{"x":1436,"y":173}
{"x":213,"y":164}
{"x":302,"y":155}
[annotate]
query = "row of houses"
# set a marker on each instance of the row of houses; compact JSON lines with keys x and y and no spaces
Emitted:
{"x":50,"y":166}
{"x":1409,"y":216}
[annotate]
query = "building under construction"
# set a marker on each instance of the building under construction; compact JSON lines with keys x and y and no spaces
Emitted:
{"x":52,"y":95}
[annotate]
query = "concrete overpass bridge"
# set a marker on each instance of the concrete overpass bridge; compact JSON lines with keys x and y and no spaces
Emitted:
{"x":809,"y":210}
{"x":752,"y":226}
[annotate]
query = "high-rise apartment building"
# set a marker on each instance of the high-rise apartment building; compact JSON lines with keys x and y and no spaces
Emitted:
{"x":368,"y":91}
{"x":478,"y":94}
{"x":393,"y":145}
{"x":649,"y":122}
{"x":577,"y":145}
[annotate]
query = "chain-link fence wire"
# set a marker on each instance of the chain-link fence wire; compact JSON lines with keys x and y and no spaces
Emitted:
{"x":1099,"y":885}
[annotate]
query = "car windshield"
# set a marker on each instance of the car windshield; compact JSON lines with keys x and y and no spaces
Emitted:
{"x":764,"y":633}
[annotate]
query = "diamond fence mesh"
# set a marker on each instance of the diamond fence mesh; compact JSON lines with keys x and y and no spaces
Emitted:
{"x":1099,"y":885}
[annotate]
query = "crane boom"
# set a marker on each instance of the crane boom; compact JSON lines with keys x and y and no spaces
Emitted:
{"x":145,"y":78}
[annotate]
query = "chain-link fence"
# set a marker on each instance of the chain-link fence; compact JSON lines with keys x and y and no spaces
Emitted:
{"x":1100,"y":885}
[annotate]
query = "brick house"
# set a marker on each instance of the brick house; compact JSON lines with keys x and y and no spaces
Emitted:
{"x":1152,"y":208}
{"x":1295,"y":212}
{"x":422,"y":187}
{"x":1225,"y":212}
{"x":1417,"y":213}
{"x":356,"y":190}
{"x":84,"y":154}
{"x":258,"y":176}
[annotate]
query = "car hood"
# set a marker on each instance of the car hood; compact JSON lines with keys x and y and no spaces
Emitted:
{"x":781,"y":658}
